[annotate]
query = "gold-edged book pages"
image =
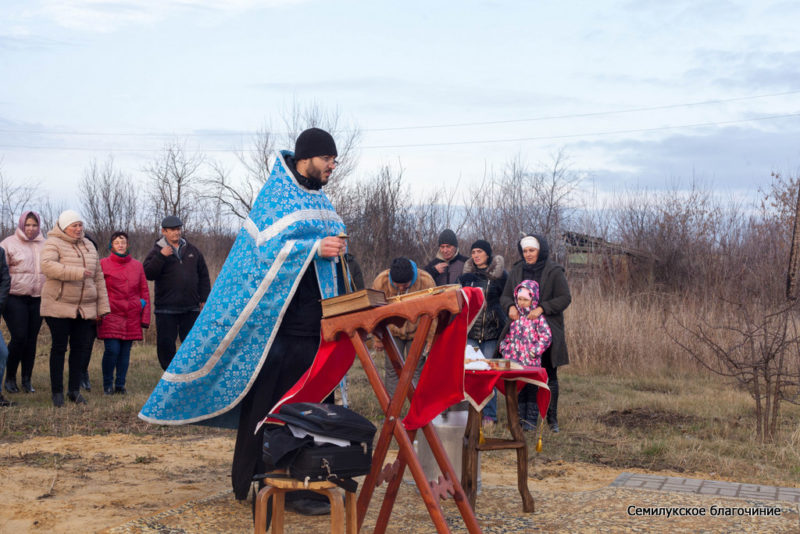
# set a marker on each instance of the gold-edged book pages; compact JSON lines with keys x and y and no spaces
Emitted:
{"x":423,"y":293}
{"x":355,"y":301}
{"x":501,"y":364}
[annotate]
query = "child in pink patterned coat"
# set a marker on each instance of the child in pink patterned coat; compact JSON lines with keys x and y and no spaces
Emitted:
{"x":527,"y":338}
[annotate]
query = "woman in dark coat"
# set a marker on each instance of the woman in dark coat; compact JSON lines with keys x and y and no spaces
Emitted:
{"x":487,"y":272}
{"x":553,"y":300}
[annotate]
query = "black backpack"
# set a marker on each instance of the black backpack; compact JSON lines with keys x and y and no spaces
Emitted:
{"x":307,"y":460}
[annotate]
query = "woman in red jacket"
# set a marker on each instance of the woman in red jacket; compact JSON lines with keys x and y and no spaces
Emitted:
{"x":130,"y":311}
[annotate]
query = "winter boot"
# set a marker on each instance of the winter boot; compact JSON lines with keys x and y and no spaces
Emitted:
{"x":76,"y":397}
{"x":27,"y":387}
{"x":85,"y":384}
{"x":527,"y":410}
{"x":11,"y":385}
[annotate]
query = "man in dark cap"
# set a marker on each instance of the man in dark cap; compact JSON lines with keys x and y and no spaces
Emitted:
{"x":182,"y":285}
{"x":315,"y":156}
{"x":402,"y":277}
{"x":448,"y":264}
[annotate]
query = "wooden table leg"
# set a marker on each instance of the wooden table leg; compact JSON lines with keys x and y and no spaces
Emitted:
{"x":393,"y":486}
{"x":469,"y":456}
{"x":392,"y":426}
{"x":512,"y":413}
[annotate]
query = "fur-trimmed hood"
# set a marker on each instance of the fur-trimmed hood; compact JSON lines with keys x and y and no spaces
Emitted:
{"x":494,"y":271}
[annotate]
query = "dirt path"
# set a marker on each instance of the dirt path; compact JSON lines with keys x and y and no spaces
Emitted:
{"x":89,"y":484}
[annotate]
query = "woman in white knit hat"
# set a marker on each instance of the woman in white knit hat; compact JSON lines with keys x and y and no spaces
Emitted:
{"x":73,"y":297}
{"x":554,"y":297}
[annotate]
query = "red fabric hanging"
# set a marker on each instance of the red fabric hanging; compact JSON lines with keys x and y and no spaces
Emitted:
{"x":441,"y":383}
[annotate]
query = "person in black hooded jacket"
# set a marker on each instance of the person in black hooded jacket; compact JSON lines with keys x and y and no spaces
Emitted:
{"x":554,"y":297}
{"x":486,"y":271}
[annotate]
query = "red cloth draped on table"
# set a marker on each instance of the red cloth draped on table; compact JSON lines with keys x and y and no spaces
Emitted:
{"x":479,"y":385}
{"x":441,"y":383}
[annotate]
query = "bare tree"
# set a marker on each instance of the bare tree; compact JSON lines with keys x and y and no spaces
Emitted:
{"x":753,"y":342}
{"x":434,"y":212}
{"x":175,"y":185}
{"x":14,"y":198}
{"x":50,"y":211}
{"x":557,"y":183}
{"x":376,"y":211}
{"x":109,"y":200}
{"x":690,"y":231}
{"x":520,"y":200}
{"x":238,"y":193}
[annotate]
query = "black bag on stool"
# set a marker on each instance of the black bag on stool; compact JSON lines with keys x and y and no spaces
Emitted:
{"x":306,"y":459}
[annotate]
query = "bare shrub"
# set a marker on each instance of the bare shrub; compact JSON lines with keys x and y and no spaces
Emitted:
{"x":691,"y":233}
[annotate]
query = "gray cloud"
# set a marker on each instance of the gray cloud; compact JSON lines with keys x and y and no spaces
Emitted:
{"x":734,"y":158}
{"x":752,"y":70}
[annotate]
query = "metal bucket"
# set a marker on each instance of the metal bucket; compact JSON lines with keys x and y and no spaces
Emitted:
{"x":450,"y":427}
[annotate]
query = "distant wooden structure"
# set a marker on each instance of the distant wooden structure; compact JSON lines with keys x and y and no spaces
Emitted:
{"x":591,"y":257}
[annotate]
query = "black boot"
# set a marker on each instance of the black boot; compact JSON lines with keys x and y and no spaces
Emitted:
{"x":552,"y":410}
{"x":533,"y":410}
{"x":27,"y":387}
{"x":5,"y":402}
{"x":527,"y":409}
{"x":76,"y":397}
{"x":58,"y":400}
{"x":11,"y":385}
{"x":522,"y":409}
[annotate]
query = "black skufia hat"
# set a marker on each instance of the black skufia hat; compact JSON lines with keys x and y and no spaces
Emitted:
{"x":314,"y":142}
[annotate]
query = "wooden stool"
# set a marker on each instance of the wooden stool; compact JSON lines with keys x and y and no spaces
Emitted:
{"x":278,"y":487}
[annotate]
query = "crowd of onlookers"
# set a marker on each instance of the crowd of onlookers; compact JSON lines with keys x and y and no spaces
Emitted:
{"x":81,"y":297}
{"x":522,"y":319}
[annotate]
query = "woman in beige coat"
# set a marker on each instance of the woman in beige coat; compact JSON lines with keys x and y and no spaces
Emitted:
{"x":73,"y":298}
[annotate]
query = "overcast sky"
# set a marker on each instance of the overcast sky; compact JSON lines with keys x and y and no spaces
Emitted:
{"x":634,"y":92}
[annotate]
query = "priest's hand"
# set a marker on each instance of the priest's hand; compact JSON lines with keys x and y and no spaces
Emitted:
{"x":513,"y":313}
{"x":332,"y":246}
